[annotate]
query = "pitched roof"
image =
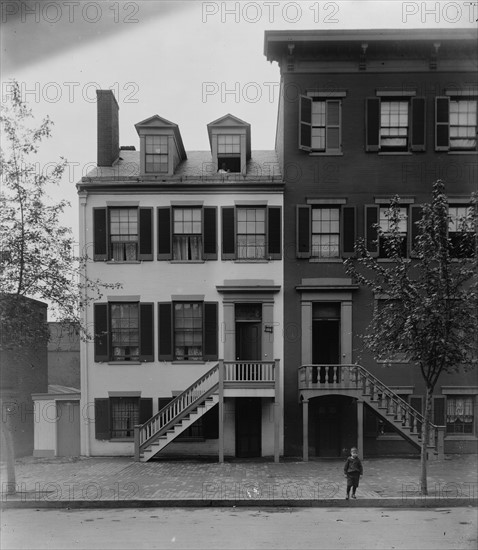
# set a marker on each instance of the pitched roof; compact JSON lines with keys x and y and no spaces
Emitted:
{"x":198,"y":166}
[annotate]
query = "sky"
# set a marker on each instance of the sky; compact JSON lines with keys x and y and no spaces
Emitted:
{"x":190,"y":62}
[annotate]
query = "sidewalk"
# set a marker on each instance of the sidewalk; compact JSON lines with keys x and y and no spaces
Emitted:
{"x":120,"y":482}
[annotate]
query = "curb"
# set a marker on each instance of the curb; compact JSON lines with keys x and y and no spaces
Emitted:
{"x":422,"y":502}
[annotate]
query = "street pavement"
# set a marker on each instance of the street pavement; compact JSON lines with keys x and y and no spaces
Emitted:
{"x":119,"y":482}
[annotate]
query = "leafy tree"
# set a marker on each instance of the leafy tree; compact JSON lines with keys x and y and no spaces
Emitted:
{"x":430,"y":312}
{"x":37,"y":253}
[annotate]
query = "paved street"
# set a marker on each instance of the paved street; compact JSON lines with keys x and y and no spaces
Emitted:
{"x":244,"y":528}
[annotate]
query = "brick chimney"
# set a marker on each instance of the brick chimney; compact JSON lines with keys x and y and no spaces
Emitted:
{"x":108,"y":127}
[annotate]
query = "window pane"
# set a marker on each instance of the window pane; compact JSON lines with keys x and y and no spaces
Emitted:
{"x":393,"y":124}
{"x":124,"y":416}
{"x":325,"y":232}
{"x":463,"y":124}
{"x":251,"y":233}
{"x":123,"y":234}
{"x":124,"y":331}
{"x":188,"y":330}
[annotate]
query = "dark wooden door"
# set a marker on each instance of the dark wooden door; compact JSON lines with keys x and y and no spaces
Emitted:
{"x":248,"y":341}
{"x":328,"y":430}
{"x":248,"y":427}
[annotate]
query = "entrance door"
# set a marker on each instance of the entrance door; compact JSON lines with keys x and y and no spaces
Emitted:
{"x":68,"y":428}
{"x":328,"y":436}
{"x":326,"y":333}
{"x":248,"y":332}
{"x":325,"y":339}
{"x":248,"y":427}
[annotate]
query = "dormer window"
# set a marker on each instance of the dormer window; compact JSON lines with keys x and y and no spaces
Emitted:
{"x":229,"y":153}
{"x":230,"y":139}
{"x":161,"y":146}
{"x":156,"y":154}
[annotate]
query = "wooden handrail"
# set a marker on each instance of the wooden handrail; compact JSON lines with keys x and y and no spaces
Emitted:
{"x":179,"y":406}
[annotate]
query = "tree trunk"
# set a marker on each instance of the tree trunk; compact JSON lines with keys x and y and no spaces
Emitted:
{"x":11,"y":486}
{"x":425,"y":437}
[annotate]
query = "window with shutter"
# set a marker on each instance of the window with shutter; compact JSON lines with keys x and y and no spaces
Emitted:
{"x":123,"y":234}
{"x":124,"y":331}
{"x":320,"y":124}
{"x":395,"y":123}
{"x":325,"y":231}
{"x":252,"y":233}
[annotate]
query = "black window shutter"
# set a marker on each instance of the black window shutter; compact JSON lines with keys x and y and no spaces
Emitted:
{"x":442,"y":121}
{"x":102,"y":419}
{"x":100,"y":315}
{"x":164,"y":233}
{"x":303,"y":231}
{"x":165,"y":331}
{"x":348,"y":230}
{"x":415,"y":216}
{"x":439,"y":410}
{"x":163,"y":401}
{"x":371,"y":232}
{"x":274,"y":233}
{"x":211,"y":423}
{"x":210,"y":233}
{"x":145,"y":409}
{"x":146,"y":332}
{"x":210,"y":331}
{"x":372,"y":124}
{"x":305,"y":123}
{"x":100,"y":235}
{"x":145,"y":234}
{"x":418,"y":137}
{"x":228,"y":233}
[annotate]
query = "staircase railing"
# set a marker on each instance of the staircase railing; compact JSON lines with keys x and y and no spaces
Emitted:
{"x":164,"y":419}
{"x":356,"y":377}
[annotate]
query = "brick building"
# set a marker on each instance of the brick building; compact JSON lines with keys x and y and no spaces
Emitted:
{"x":363,"y":116}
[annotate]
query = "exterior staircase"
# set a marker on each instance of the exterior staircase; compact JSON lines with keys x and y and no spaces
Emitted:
{"x":162,"y":428}
{"x":356,"y":381}
{"x":226,"y":378}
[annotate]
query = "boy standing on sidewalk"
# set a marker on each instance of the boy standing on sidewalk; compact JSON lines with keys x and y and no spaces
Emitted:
{"x":353,"y":469}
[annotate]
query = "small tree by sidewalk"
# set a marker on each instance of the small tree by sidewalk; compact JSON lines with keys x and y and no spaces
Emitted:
{"x":429,"y":310}
{"x":37,"y":254}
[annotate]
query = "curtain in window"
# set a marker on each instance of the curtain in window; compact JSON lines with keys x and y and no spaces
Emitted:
{"x":459,"y":408}
{"x":187,"y":247}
